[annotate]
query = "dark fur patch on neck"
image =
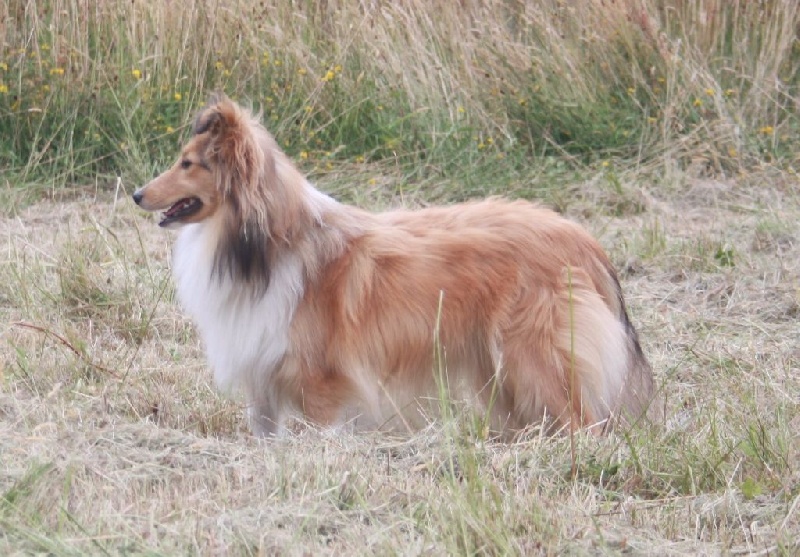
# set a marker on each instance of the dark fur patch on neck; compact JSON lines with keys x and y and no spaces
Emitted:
{"x":244,"y":256}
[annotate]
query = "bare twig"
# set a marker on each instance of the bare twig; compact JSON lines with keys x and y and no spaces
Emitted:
{"x":67,"y":343}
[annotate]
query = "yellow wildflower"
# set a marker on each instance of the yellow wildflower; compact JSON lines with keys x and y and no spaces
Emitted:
{"x":169,"y":129}
{"x":219,"y":65}
{"x":732,"y":152}
{"x":360,"y":158}
{"x":337,"y":68}
{"x":137,"y":74}
{"x":605,"y":164}
{"x":3,"y":88}
{"x":631,"y":90}
{"x":301,"y":71}
{"x":373,"y":181}
{"x":304,"y":155}
{"x":697,"y":102}
{"x":57,"y":71}
{"x":3,"y":66}
{"x":730,"y":92}
{"x":766,"y":130}
{"x":461,"y":110}
{"x":177,"y":96}
{"x":329,"y":76}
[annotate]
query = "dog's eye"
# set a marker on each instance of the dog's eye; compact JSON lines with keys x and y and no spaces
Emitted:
{"x":186,"y":163}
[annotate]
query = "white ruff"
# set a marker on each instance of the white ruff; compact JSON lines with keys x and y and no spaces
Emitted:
{"x":242,"y":334}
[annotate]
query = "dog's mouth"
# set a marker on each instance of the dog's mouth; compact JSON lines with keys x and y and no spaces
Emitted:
{"x":186,"y":207}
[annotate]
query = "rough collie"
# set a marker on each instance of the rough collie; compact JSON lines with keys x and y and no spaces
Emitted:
{"x":316,"y":308}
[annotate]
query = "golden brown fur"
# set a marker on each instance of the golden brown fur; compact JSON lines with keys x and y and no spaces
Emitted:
{"x":316,"y":307}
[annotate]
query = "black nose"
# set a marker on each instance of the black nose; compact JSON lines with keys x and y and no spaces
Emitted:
{"x":137,"y":197}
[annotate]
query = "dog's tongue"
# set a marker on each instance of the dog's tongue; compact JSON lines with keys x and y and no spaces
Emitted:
{"x":179,"y":206}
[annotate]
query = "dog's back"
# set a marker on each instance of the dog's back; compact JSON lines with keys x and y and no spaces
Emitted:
{"x":524,"y":306}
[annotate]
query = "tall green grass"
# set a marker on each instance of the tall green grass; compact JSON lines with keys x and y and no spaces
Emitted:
{"x":93,"y":89}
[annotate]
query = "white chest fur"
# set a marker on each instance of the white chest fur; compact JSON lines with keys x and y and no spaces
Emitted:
{"x":242,"y":334}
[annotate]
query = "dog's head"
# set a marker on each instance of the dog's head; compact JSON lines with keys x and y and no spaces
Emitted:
{"x":221,"y":162}
{"x":232,"y":167}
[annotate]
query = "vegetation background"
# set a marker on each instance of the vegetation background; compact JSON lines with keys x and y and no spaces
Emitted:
{"x":668,"y":127}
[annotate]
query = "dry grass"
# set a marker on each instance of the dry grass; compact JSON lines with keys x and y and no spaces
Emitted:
{"x":669,"y":127}
{"x":113,"y":441}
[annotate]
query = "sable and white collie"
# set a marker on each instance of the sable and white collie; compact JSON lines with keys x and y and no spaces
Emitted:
{"x":328,"y":311}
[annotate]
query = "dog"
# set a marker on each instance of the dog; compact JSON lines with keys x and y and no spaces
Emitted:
{"x":325,"y":311}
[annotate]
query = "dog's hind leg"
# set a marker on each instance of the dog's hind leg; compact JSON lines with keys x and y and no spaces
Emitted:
{"x":323,"y":396}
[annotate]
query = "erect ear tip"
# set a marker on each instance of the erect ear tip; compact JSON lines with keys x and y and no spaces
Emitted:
{"x":217,"y":111}
{"x":207,"y":120}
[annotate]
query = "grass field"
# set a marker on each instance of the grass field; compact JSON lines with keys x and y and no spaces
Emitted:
{"x":669,"y":130}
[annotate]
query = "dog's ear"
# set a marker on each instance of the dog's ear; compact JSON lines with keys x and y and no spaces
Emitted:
{"x":227,"y":128}
{"x":218,"y":112}
{"x":230,"y":145}
{"x":208,"y":121}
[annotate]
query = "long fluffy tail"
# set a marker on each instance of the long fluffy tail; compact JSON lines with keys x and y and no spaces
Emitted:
{"x":637,"y":393}
{"x":578,"y":360}
{"x":599,"y":347}
{"x":637,"y":389}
